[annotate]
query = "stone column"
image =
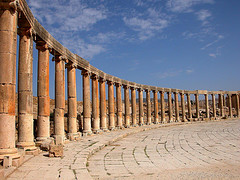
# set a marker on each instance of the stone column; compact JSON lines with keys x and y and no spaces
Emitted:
{"x":183,"y":107}
{"x":176,"y":106}
{"x":134,"y":111}
{"x":103,"y":123}
{"x":119,"y":105}
{"x":155,"y":107}
{"x":220,"y":96}
{"x":25,"y":94}
{"x":8,"y":46}
{"x":127,"y":106}
{"x":149,"y":115}
{"x":95,"y":105}
{"x":43,"y":123}
{"x":140,"y":97}
{"x":72,"y":101}
{"x":214,"y":105}
{"x":86,"y":103}
{"x":237,"y":109}
{"x":207,"y":105}
{"x":230,"y":105}
{"x":197,"y":105}
{"x":189,"y":107}
{"x":162,"y":107}
{"x":169,"y":106}
{"x":111,"y":105}
{"x":59,"y":99}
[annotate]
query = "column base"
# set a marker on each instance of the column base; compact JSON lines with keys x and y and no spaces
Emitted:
{"x":59,"y":139}
{"x":127,"y":126}
{"x":111,"y":128}
{"x":96,"y":131}
{"x":26,"y":145}
{"x":13,"y":152}
{"x":149,"y":123}
{"x":87,"y":133}
{"x":73,"y":136}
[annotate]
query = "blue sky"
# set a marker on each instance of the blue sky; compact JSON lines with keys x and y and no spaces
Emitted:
{"x":182,"y":44}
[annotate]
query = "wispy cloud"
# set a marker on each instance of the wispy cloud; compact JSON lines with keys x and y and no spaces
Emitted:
{"x":217,"y":53}
{"x":173,"y":73}
{"x":213,"y":42}
{"x":180,"y":6}
{"x":108,"y":37}
{"x":203,"y":15}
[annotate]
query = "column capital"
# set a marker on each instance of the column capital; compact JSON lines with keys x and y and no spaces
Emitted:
{"x":125,"y":86}
{"x":110,"y":82}
{"x":71,"y":65}
{"x":85,"y":72}
{"x":42,"y":46}
{"x":133,"y":88}
{"x":139,"y":89}
{"x":59,"y":57}
{"x":117,"y":84}
{"x":11,"y":5}
{"x":101,"y":79}
{"x":25,"y":31}
{"x":94,"y":76}
{"x":146,"y":90}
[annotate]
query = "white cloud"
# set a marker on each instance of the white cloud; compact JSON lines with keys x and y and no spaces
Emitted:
{"x":217,"y":53}
{"x":212,"y":43}
{"x":180,"y":6}
{"x":203,"y":14}
{"x":108,"y":37}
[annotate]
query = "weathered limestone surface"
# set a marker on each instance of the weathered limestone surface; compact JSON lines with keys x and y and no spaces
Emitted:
{"x":103,"y":123}
{"x":176,"y":106}
{"x":183,"y":107}
{"x":134,"y":110}
{"x":163,"y":120}
{"x":119,"y":105}
{"x":169,"y":106}
{"x":141,"y":116}
{"x":214,"y":106}
{"x":207,"y":106}
{"x":111,"y":107}
{"x":95,"y":105}
{"x":197,"y":105}
{"x":155,"y":106}
{"x":149,"y":115}
{"x":189,"y":105}
{"x":127,"y":107}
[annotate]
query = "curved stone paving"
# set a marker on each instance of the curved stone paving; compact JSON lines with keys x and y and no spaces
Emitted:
{"x":196,"y":151}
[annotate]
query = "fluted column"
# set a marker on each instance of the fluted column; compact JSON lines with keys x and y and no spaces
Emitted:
{"x":169,"y":106}
{"x":149,"y":116}
{"x":220,"y":96}
{"x":162,"y":107}
{"x":8,"y":46}
{"x":72,"y":101}
{"x":189,"y":107}
{"x":103,"y":123}
{"x":237,"y":108}
{"x":155,"y":93}
{"x":127,"y":106}
{"x":119,"y":105}
{"x":95,"y":105}
{"x":59,"y":99}
{"x":134,"y":111}
{"x":140,"y":97}
{"x":183,"y":107}
{"x":197,"y":105}
{"x":176,"y":106}
{"x":25,"y":94}
{"x":206,"y":106}
{"x":230,"y":105}
{"x":43,"y":123}
{"x":111,"y":105}
{"x":86,"y":103}
{"x":214,"y":106}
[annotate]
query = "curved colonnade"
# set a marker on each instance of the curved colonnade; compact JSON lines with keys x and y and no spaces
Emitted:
{"x":17,"y":19}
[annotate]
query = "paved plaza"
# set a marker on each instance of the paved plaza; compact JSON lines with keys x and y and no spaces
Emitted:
{"x":201,"y":150}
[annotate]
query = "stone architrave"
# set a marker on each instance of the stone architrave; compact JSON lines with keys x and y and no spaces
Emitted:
{"x":155,"y":107}
{"x":25,"y":94}
{"x":149,"y":116}
{"x":183,"y":107}
{"x":103,"y":122}
{"x":189,"y":107}
{"x":197,"y":106}
{"x":119,"y":105}
{"x":95,"y":105}
{"x":43,"y":123}
{"x":111,"y":107}
{"x":214,"y":106}
{"x":8,"y":47}
{"x":206,"y":106}
{"x":163,"y":120}
{"x":127,"y":106}
{"x":230,"y":105}
{"x":134,"y":110}
{"x":72,"y":101}
{"x":140,"y":97}
{"x":86,"y":103}
{"x":176,"y":106}
{"x":169,"y":106}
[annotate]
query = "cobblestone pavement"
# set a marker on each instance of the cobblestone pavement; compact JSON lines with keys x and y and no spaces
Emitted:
{"x":196,"y":151}
{"x":189,"y":151}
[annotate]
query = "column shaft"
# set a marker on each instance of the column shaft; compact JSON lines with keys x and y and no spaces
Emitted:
{"x":119,"y":105}
{"x":140,"y":95}
{"x":197,"y":105}
{"x":72,"y":101}
{"x":25,"y":94}
{"x":230,"y":105}
{"x":127,"y":106}
{"x":111,"y":105}
{"x":169,"y":106}
{"x":214,"y":106}
{"x":134,"y":111}
{"x":95,"y":105}
{"x":176,"y":106}
{"x":162,"y":107}
{"x":207,"y":105}
{"x":103,"y":123}
{"x":155,"y":107}
{"x":86,"y":103}
{"x":220,"y":96}
{"x":189,"y":107}
{"x":149,"y":115}
{"x":183,"y":107}
{"x":237,"y":108}
{"x":8,"y":46}
{"x":43,"y":123}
